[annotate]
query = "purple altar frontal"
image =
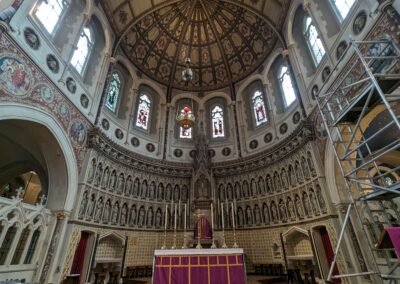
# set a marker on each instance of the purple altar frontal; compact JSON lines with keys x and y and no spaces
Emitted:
{"x":199,"y":266}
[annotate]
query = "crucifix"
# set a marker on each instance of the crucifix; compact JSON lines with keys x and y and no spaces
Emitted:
{"x":42,"y":200}
{"x":19,"y":192}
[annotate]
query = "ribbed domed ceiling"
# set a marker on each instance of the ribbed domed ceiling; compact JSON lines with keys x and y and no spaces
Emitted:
{"x":225,"y":40}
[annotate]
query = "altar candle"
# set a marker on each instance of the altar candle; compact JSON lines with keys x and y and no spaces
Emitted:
{"x":166,"y":216}
{"x":233,"y":216}
{"x":175,"y":216}
{"x":185,"y":216}
{"x":222,"y":215}
{"x":212,"y":217}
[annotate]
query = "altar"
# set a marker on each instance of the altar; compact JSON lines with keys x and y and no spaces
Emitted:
{"x":199,"y":266}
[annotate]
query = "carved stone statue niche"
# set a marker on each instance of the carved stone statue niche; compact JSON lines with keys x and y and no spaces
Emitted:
{"x":202,"y":188}
{"x":202,"y":182}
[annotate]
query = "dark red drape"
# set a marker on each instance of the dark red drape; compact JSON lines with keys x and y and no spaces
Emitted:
{"x":204,"y":228}
{"x":329,"y":251}
{"x":79,"y":257}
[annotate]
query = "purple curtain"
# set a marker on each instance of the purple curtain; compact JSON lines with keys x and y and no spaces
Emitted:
{"x":204,"y":228}
{"x":329,"y":251}
{"x":79,"y":257}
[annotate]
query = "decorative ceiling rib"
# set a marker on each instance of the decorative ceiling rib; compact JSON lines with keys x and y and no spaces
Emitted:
{"x":226,"y":40}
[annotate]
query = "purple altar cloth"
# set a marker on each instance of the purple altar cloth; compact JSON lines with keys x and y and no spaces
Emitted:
{"x":199,"y":269}
{"x":394,"y":234}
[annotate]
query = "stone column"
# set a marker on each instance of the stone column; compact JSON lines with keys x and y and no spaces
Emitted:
{"x":133,"y":93}
{"x":55,"y":255}
{"x":270,"y":111}
{"x":170,"y":117}
{"x":161,"y":129}
{"x":241,"y":125}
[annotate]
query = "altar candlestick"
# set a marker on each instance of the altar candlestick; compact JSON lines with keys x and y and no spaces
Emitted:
{"x":185,"y":217}
{"x":213,"y":246}
{"x":212,"y":217}
{"x":175,"y":216}
{"x":166,"y":216}
{"x":223,"y":225}
{"x":233,"y":216}
{"x":222,"y":215}
{"x":165,"y":227}
{"x":218,"y":212}
{"x":184,"y":229}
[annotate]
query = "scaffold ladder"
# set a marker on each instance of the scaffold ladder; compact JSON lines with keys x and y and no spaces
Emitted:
{"x":367,"y":85}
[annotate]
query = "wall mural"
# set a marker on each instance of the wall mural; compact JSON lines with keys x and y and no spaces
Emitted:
{"x":23,"y":82}
{"x":15,"y":78}
{"x":8,"y":8}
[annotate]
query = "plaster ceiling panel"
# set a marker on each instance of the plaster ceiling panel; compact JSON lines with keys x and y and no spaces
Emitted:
{"x":122,"y":16}
{"x":115,"y":4}
{"x":139,"y":6}
{"x":256,"y":4}
{"x":226,"y":40}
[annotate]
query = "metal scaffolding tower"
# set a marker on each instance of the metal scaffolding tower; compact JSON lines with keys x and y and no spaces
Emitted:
{"x":366,"y":91}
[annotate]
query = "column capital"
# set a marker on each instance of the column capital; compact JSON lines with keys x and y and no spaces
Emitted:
{"x":285,"y":53}
{"x":86,"y":16}
{"x":307,"y":5}
{"x":133,"y":91}
{"x":113,"y":60}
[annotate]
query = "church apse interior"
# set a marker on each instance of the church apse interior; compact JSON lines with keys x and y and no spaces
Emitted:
{"x":199,"y":141}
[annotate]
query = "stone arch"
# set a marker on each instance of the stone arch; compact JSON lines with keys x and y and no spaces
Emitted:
{"x":57,"y":153}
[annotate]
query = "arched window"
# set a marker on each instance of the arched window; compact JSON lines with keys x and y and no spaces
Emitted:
{"x":260,"y":113}
{"x":343,"y":7}
{"x":185,"y":133}
{"x":114,"y":91}
{"x":217,"y":122}
{"x":143,"y":112}
{"x":81,"y":54}
{"x":49,"y":13}
{"x":285,"y":81}
{"x":188,"y":132}
{"x":313,"y":40}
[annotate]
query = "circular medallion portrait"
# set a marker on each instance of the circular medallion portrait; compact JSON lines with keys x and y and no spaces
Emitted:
{"x":178,"y":153}
{"x":135,"y":142}
{"x":52,"y":63}
{"x":283,"y":128}
{"x":105,"y":124}
{"x":268,"y":137}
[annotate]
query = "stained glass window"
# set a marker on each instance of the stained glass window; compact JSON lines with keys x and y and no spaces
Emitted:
{"x":188,"y":132}
{"x":82,"y":51}
{"x":313,"y":40}
{"x":285,"y":80}
{"x":185,"y":133}
{"x":114,"y":91}
{"x":343,"y":7}
{"x":217,"y":122}
{"x":259,"y":110}
{"x":143,"y":112}
{"x":49,"y":13}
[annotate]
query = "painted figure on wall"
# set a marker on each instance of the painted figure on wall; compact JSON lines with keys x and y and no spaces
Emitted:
{"x":8,"y":8}
{"x":13,"y":76}
{"x":78,"y":132}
